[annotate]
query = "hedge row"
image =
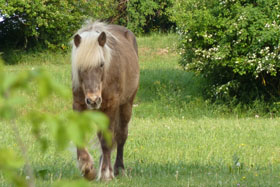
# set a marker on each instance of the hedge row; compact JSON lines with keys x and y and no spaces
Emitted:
{"x":235,"y":44}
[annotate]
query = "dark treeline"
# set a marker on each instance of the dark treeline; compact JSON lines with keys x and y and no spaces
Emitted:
{"x":50,"y":23}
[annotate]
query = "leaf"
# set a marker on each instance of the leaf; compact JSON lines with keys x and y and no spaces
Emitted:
{"x":9,"y":159}
{"x":47,"y":86}
{"x":7,"y":111}
{"x":102,"y":122}
{"x":44,"y":144}
{"x":9,"y":164}
{"x":36,"y":119}
{"x":44,"y":88}
{"x":100,"y":119}
{"x":75,"y":133}
{"x":13,"y":82}
{"x":61,"y":136}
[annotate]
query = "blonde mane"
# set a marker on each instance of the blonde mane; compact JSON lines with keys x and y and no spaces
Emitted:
{"x":89,"y":53}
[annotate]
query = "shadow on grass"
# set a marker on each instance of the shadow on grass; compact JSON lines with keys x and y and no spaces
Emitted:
{"x":173,"y":82}
{"x":14,"y":57}
{"x":168,"y":92}
{"x":11,"y":57}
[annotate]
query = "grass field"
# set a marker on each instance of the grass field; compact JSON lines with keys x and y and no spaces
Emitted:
{"x":175,"y":137}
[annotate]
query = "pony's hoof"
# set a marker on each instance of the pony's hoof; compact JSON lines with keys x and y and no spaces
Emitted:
{"x":87,"y":170}
{"x":107,"y":178}
{"x":106,"y":175}
{"x":120,"y":172}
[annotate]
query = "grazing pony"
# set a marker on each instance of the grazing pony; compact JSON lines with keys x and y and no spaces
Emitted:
{"x":105,"y":77}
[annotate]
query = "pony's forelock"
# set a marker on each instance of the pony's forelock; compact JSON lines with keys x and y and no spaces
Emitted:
{"x":89,"y":53}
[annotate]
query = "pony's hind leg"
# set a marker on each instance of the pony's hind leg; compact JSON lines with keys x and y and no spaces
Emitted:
{"x":86,"y":164}
{"x":121,"y":136}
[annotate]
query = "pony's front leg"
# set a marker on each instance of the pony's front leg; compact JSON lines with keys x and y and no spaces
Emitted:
{"x":85,"y":160}
{"x":105,"y":169}
{"x":86,"y":164}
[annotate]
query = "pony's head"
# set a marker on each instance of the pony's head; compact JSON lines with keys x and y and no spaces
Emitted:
{"x":90,"y":60}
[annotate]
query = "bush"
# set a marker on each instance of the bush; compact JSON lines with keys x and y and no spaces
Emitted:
{"x":234,"y":44}
{"x":144,"y":16}
{"x":49,"y":23}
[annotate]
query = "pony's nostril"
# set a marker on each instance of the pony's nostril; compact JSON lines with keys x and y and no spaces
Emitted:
{"x":98,"y":100}
{"x":88,"y":101}
{"x":93,"y":103}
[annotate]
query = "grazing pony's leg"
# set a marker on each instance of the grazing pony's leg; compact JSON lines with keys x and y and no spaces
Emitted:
{"x":121,"y":136}
{"x":86,"y":164}
{"x":84,"y":158}
{"x":105,"y":169}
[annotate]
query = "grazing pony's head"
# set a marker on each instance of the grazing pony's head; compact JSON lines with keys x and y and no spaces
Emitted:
{"x":91,"y":56}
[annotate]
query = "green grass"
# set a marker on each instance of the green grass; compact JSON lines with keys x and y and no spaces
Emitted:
{"x":175,"y":137}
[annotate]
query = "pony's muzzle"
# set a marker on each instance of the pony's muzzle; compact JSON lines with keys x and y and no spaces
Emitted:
{"x":93,"y":102}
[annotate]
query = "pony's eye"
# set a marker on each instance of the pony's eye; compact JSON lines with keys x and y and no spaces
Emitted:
{"x":102,"y":64}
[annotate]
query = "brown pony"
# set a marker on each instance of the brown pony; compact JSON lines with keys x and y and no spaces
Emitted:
{"x":105,"y":77}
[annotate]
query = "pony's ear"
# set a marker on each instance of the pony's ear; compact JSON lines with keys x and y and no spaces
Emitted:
{"x":77,"y":40}
{"x":102,"y":39}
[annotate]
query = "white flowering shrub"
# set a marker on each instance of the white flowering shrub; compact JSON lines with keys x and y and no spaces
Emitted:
{"x":233,"y":43}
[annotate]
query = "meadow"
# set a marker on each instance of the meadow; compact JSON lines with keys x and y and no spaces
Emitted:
{"x":176,"y":138}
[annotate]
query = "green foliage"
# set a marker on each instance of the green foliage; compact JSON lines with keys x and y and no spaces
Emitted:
{"x":10,"y":84}
{"x":64,"y":127}
{"x":72,"y":126}
{"x":49,"y":23}
{"x":235,"y":44}
{"x":145,"y":16}
{"x":10,"y":163}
